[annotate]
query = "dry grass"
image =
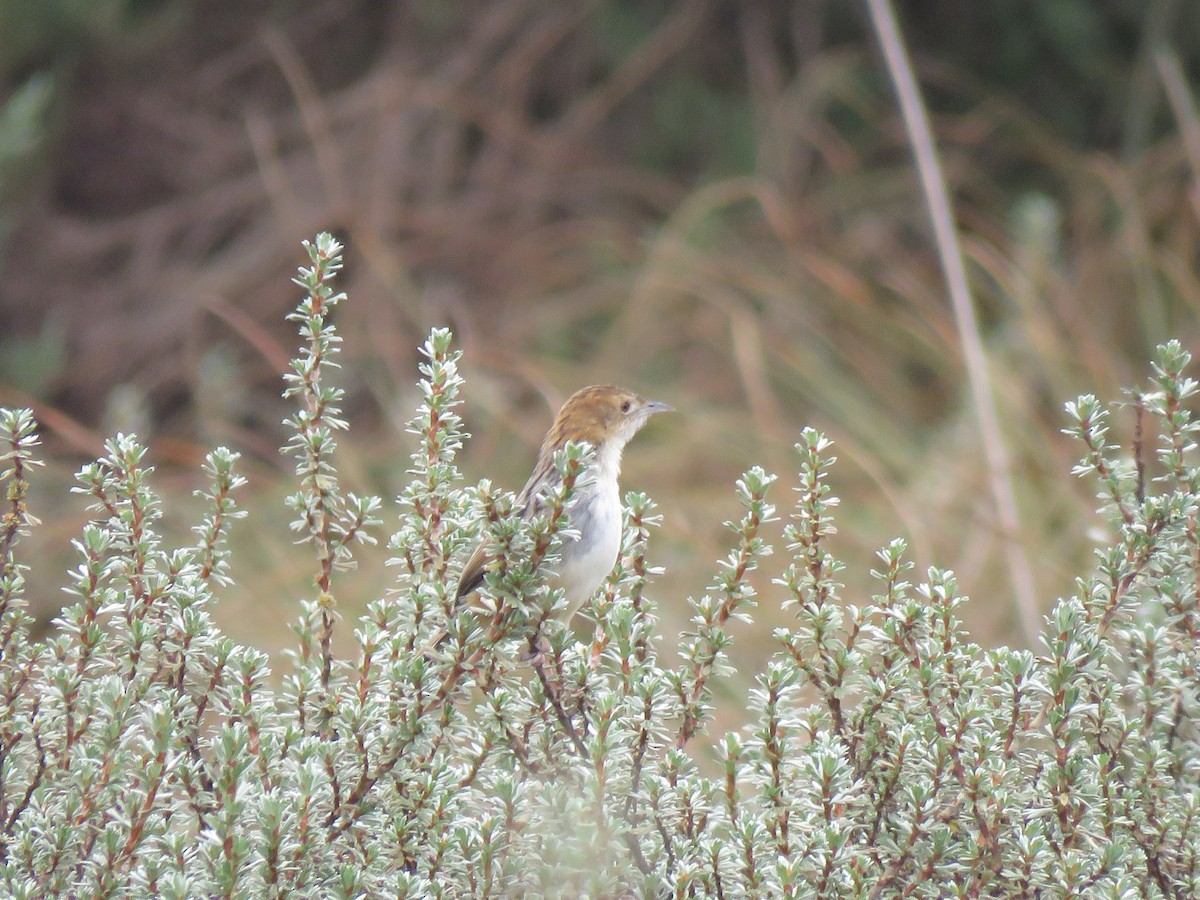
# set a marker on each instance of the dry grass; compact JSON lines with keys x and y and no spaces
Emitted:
{"x":517,"y":174}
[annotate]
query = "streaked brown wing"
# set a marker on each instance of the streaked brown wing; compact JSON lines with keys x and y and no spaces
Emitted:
{"x":530,"y":502}
{"x":472,"y":573}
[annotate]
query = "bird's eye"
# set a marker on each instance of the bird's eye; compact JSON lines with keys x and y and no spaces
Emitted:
{"x":625,"y":406}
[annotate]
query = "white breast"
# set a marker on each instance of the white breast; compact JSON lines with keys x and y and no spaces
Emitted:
{"x":587,"y":560}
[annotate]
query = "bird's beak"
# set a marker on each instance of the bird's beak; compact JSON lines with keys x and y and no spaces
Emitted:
{"x":654,"y":406}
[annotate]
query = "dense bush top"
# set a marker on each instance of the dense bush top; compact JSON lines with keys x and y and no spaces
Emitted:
{"x":144,"y":753}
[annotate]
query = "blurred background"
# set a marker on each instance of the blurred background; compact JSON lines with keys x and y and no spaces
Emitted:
{"x":710,"y":201}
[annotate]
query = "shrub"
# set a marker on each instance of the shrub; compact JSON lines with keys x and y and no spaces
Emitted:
{"x":144,"y":753}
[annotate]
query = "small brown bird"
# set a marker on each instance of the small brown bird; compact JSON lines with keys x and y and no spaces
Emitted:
{"x":606,"y":417}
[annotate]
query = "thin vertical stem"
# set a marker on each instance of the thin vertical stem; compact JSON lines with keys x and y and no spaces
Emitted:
{"x":933,"y":183}
{"x":1175,"y":83}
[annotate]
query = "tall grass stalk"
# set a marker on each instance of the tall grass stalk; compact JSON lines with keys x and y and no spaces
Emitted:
{"x":937,"y":197}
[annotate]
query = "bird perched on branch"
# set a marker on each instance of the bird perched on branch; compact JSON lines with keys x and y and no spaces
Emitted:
{"x":606,"y":417}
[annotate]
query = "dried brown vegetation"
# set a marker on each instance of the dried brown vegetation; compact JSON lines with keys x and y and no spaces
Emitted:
{"x":713,"y":199}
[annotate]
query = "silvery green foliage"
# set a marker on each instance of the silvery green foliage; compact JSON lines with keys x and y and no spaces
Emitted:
{"x":144,"y":754}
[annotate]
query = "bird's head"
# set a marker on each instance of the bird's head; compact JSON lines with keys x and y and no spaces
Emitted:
{"x":604,"y":415}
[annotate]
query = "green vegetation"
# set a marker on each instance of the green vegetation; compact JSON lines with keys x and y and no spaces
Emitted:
{"x":146,"y":754}
{"x":715,"y":201}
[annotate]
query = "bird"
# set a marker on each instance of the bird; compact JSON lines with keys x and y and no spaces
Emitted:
{"x":606,"y":417}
